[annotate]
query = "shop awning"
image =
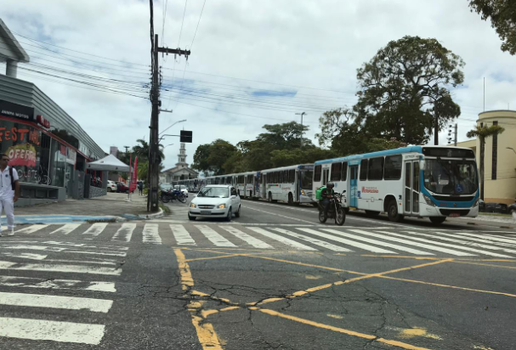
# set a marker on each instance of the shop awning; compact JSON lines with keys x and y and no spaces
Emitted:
{"x":109,"y":163}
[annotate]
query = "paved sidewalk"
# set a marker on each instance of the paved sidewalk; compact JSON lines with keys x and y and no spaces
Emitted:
{"x":113,"y":206}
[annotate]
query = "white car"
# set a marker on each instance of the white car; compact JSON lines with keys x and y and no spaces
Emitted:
{"x":215,"y":201}
{"x":111,"y":186}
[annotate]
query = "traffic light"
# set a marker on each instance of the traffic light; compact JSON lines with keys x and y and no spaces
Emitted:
{"x":185,"y":136}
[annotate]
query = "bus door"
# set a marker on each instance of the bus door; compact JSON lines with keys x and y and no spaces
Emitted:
{"x":353,"y":176}
{"x":412,"y":184}
{"x":325,"y":176}
{"x":263,"y":186}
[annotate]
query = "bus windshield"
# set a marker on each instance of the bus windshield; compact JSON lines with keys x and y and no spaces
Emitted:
{"x":455,"y":177}
{"x":306,"y":179}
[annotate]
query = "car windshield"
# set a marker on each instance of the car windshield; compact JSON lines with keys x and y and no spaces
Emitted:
{"x":306,"y":179}
{"x":450,"y":176}
{"x":214,"y":192}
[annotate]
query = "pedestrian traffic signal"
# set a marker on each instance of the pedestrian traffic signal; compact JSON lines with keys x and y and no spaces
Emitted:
{"x":185,"y":136}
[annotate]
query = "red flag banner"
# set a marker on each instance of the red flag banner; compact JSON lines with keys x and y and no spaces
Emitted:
{"x":132,"y":186}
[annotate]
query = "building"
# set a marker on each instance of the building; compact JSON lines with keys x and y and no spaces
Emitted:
{"x":48,"y":148}
{"x":181,"y":171}
{"x":500,"y":156}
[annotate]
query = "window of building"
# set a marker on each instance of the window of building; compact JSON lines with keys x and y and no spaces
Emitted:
{"x":375,"y":171}
{"x":393,"y":167}
{"x":335,"y":171}
{"x":363,"y":169}
{"x":317,"y":173}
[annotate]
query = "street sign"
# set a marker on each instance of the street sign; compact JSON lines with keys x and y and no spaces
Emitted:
{"x":185,"y":136}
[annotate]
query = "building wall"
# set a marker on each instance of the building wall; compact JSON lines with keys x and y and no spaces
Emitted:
{"x":500,"y":186}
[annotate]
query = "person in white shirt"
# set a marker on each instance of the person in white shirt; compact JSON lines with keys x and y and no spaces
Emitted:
{"x":9,"y":192}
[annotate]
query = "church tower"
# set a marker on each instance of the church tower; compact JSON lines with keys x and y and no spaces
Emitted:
{"x":182,"y":157}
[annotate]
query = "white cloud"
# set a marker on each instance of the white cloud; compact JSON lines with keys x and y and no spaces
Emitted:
{"x":317,"y":44}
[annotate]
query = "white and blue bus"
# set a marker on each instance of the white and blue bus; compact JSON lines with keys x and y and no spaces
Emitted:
{"x":420,"y":181}
{"x":291,"y":184}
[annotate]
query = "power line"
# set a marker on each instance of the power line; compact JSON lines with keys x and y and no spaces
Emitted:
{"x":182,"y":23}
{"x":197,"y":27}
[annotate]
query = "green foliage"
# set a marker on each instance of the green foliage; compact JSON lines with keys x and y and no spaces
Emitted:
{"x":404,"y":87}
{"x":212,"y":157}
{"x":503,"y":19}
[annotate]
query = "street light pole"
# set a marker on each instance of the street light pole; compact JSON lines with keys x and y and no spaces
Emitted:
{"x":179,"y":121}
{"x":301,"y":114}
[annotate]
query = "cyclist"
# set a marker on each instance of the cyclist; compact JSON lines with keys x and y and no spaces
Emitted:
{"x":327,"y":194}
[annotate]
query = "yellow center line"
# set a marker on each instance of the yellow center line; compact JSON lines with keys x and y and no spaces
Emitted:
{"x":342,"y":330}
{"x":481,"y":264}
{"x":205,"y":332}
{"x":213,"y":257}
{"x":449,"y":286}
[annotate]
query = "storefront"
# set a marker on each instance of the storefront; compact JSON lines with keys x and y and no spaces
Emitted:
{"x":49,"y":156}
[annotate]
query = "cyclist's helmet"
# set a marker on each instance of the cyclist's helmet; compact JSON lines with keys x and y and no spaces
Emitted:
{"x":330,"y":185}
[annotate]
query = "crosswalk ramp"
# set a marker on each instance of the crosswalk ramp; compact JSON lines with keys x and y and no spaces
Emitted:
{"x":303,"y":238}
{"x":56,"y":291}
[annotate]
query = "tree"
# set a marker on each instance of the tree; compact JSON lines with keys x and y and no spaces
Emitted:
{"x":404,"y":90}
{"x":503,"y":18}
{"x":483,"y":132}
{"x":142,"y":151}
{"x":213,"y":156}
{"x":284,"y":136}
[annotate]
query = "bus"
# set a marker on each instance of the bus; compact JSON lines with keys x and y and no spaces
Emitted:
{"x":419,"y":181}
{"x":291,"y":184}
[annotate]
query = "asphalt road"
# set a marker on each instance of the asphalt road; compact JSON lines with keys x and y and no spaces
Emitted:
{"x":272,"y":279}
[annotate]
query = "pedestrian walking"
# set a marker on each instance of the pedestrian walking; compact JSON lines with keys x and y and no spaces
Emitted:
{"x":140,"y":188}
{"x":9,"y":192}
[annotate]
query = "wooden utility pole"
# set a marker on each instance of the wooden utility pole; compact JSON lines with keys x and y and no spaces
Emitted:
{"x":154,"y":158}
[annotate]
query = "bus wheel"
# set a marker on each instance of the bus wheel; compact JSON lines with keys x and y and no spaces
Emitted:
{"x":270,"y":197}
{"x":290,"y":199}
{"x":392,"y":212}
{"x":437,"y":220}
{"x":372,"y":213}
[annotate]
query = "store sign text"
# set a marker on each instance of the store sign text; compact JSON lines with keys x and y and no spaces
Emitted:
{"x":22,"y":155}
{"x":15,"y":134}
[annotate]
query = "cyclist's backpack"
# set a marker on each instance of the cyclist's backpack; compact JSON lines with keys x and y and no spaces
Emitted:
{"x":318,"y":192}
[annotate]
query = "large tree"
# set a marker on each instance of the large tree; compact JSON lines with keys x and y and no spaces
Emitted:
{"x":482,"y":133}
{"x":212,"y":157}
{"x":502,"y":14}
{"x":404,"y":90}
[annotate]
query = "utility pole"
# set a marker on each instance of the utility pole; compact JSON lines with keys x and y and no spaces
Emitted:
{"x":454,"y":138}
{"x":301,"y":114}
{"x":154,"y":159}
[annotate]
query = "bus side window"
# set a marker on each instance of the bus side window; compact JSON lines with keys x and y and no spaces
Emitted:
{"x":335,"y":171}
{"x":344,"y":171}
{"x":363,"y":169}
{"x":317,"y":173}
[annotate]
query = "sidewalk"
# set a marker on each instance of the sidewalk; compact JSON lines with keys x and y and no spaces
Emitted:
{"x":502,"y":221}
{"x":112,"y":207}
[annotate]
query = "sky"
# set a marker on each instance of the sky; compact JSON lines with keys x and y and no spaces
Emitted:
{"x":252,"y":62}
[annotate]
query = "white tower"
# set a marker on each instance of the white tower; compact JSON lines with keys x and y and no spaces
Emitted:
{"x":182,"y":157}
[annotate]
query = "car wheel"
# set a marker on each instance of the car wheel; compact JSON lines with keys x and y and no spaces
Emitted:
{"x":237,"y":214}
{"x":230,"y":214}
{"x":109,"y":189}
{"x":191,"y":218}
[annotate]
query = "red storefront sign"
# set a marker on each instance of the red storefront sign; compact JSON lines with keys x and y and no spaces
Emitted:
{"x":22,"y":155}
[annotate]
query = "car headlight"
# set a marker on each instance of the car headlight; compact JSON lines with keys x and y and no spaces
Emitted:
{"x":428,"y":200}
{"x":303,"y":193}
{"x":192,"y":205}
{"x":221,"y":206}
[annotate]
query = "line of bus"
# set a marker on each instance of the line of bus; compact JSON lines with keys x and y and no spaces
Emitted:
{"x":418,"y":181}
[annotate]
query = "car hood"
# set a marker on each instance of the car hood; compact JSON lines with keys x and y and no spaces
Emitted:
{"x":209,"y":201}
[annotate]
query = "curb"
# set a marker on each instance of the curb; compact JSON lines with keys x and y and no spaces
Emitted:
{"x":157,"y":215}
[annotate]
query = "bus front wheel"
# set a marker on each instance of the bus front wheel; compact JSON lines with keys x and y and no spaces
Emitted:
{"x":290,"y":199}
{"x":392,"y":212}
{"x":437,"y":220}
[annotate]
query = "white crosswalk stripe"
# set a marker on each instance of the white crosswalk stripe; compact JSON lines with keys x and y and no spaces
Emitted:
{"x":363,"y":246}
{"x":489,"y":237}
{"x":23,"y":295}
{"x":247,"y":238}
{"x":124,"y":233}
{"x":150,"y":234}
{"x":181,"y":235}
{"x":312,"y":240}
{"x":31,"y":229}
{"x":66,"y":229}
{"x":214,"y":237}
{"x":95,"y":229}
{"x":289,"y":242}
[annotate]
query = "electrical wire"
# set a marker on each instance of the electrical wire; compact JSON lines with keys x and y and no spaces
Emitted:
{"x":197,"y":27}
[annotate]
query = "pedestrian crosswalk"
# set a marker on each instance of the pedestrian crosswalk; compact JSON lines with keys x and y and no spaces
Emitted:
{"x":381,"y":240}
{"x":57,"y":291}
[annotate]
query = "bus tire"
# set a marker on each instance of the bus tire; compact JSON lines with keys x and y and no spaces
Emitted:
{"x":392,"y":211}
{"x":437,"y":220}
{"x":290,"y":199}
{"x":269,"y":198}
{"x":372,"y":213}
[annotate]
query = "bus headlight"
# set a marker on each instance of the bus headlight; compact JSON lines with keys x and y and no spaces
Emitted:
{"x":303,"y":193}
{"x":428,"y":200}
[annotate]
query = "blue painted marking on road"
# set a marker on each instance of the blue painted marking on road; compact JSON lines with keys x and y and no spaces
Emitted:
{"x":57,"y":219}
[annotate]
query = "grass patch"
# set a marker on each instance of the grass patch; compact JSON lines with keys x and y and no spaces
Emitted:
{"x":165,"y":208}
{"x":495,"y":214}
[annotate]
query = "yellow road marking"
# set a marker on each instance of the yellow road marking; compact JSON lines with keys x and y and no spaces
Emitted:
{"x":448,"y":286}
{"x":339,"y":283}
{"x":304,"y":264}
{"x":213,"y":257}
{"x":342,"y":330}
{"x":481,"y":264}
{"x":205,"y":332}
{"x":407,"y":333}
{"x":313,"y":277}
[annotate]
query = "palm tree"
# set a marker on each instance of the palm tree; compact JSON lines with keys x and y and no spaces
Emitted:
{"x":142,"y":150}
{"x":483,"y":132}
